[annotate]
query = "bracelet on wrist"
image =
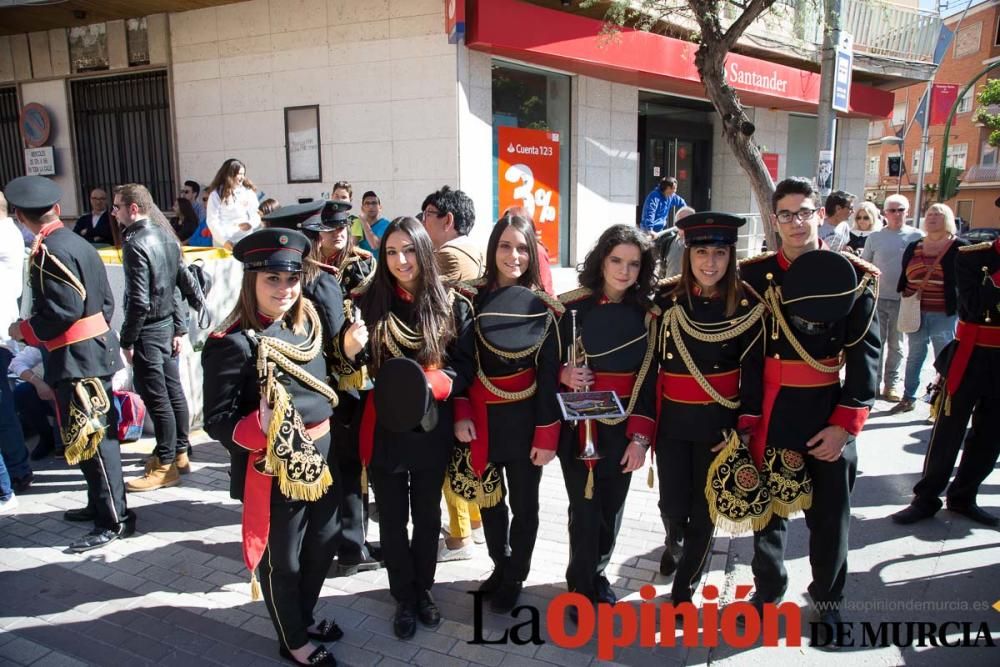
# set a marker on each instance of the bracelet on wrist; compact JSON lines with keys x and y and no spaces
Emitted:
{"x":641,"y":440}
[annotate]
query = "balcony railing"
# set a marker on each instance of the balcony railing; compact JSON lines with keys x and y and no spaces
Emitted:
{"x":895,"y":31}
{"x":982,"y":174}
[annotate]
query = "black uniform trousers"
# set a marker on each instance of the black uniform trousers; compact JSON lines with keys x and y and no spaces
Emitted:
{"x":301,"y":545}
{"x":103,"y":471}
{"x":979,"y":455}
{"x":511,"y":540}
{"x":159,"y":384}
{"x":828,"y":521}
{"x":682,"y":468}
{"x":594,"y":523}
{"x":401,"y":495}
{"x":353,"y":508}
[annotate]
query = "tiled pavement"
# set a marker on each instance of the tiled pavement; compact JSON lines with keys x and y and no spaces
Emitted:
{"x":177,"y":592}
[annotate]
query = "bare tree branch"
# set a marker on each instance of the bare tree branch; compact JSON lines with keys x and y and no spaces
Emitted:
{"x":743,"y":21}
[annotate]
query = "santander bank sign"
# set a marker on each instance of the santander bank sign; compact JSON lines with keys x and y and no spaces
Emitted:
{"x":744,"y":79}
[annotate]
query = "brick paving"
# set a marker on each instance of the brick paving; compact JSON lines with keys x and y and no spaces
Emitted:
{"x":177,"y":592}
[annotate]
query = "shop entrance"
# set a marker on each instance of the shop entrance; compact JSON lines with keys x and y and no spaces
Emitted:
{"x":675,"y":139}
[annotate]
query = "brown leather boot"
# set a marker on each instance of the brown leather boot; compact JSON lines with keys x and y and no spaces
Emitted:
{"x":183,"y":463}
{"x":158,"y":476}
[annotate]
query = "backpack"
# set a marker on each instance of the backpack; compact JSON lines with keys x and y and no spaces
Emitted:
{"x":195,"y":284}
{"x":131,"y":415}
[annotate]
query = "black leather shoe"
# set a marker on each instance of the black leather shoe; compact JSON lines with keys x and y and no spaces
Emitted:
{"x":95,"y":539}
{"x":668,"y":565}
{"x":492,"y":584}
{"x":327,"y":631}
{"x":404,"y":623}
{"x":41,"y":450}
{"x":758,"y":601}
{"x":127,"y":527}
{"x":349,"y":569}
{"x":83,"y":514}
{"x":427,"y":611}
{"x":319,"y":657}
{"x":506,"y":597}
{"x":603,"y":591}
{"x":911,"y":514}
{"x":827,"y":636}
{"x":976,"y":513}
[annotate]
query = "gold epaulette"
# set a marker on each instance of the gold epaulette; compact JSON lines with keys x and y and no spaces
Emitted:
{"x":361,"y":253}
{"x":457,"y":292}
{"x":360,"y":290}
{"x":575,"y":295}
{"x":550,"y":301}
{"x":228,"y":325}
{"x":976,"y":246}
{"x":862,"y":264}
{"x":664,"y":283}
{"x":757,"y":258}
{"x":465,"y":289}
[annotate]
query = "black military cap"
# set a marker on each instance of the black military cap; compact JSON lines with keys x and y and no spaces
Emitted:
{"x":512,"y":319}
{"x":272,"y":249}
{"x":334,"y":215}
{"x":403,"y":398}
{"x":819,"y":289}
{"x":710,"y":228}
{"x":296,"y":216}
{"x":614,"y":337}
{"x":33,"y":194}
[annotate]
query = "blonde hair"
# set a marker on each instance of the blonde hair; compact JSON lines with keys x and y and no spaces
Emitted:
{"x":949,"y":217}
{"x":873,"y":215}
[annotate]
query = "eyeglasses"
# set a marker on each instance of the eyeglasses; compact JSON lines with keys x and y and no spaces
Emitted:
{"x":894,"y":210}
{"x":803,"y":214}
{"x":436,"y":214}
{"x":862,"y":217}
{"x":115,"y":207}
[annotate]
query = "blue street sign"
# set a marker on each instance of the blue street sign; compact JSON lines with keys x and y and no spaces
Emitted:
{"x":843,"y":64}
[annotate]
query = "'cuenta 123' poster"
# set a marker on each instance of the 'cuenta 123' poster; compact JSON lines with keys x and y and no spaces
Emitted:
{"x":528,"y":176}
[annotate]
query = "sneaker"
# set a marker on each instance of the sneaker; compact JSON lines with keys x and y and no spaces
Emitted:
{"x":478,"y":535}
{"x":905,"y":405}
{"x":8,"y":506}
{"x":446,"y":554}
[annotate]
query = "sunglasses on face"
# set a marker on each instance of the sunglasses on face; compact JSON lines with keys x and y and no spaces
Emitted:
{"x":862,"y":217}
{"x":894,"y":210}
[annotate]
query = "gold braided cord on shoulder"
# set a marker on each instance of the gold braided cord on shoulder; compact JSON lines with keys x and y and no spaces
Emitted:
{"x":394,"y":332}
{"x":273,"y":352}
{"x":757,"y":258}
{"x":773,"y":298}
{"x":575,"y":295}
{"x":975,"y":246}
{"x":67,"y":276}
{"x":554,"y":304}
{"x":869,"y":279}
{"x":520,"y":354}
{"x":497,"y":391}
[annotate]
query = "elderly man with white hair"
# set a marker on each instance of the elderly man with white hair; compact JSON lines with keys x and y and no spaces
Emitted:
{"x":884,"y":249}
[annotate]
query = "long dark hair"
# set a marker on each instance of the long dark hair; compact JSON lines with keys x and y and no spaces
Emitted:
{"x":530,"y":277}
{"x":225,"y":179}
{"x":187,"y":219}
{"x":592,"y":274}
{"x":340,"y":259}
{"x":730,"y":288}
{"x":434,"y":317}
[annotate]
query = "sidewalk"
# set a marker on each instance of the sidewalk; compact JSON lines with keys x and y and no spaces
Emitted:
{"x":177,"y":592}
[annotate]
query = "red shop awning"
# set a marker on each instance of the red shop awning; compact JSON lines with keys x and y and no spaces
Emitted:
{"x":573,"y":43}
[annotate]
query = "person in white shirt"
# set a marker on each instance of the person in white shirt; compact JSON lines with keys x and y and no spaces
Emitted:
{"x":34,"y":400}
{"x":12,"y":447}
{"x":232,"y":205}
{"x":835,"y":230}
{"x":885,"y":249}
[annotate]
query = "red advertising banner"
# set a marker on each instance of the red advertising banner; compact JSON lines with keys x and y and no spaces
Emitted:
{"x":528,"y":176}
{"x":454,"y":20}
{"x":771,"y":162}
{"x":943,"y":97}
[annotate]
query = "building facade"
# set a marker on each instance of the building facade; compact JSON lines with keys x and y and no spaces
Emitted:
{"x":507,"y":99}
{"x":975,"y":46}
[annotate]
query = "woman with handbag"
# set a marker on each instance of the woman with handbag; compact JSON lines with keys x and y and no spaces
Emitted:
{"x":927,"y":309}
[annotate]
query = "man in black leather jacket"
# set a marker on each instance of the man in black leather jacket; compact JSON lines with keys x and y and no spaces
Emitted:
{"x":155,"y":321}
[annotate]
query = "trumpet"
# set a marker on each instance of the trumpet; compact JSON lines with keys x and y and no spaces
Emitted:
{"x":575,"y":354}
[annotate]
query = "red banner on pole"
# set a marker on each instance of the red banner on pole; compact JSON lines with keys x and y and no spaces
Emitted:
{"x":771,"y":162}
{"x":943,"y":97}
{"x":528,"y":176}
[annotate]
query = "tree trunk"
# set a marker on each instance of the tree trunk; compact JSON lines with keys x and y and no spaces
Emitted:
{"x":710,"y":60}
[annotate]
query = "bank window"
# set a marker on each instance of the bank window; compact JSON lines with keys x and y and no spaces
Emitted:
{"x":965,"y":104}
{"x":928,"y":163}
{"x":873,"y":166}
{"x":988,"y":155}
{"x":531,"y":140}
{"x":957,"y":155}
{"x":899,"y":113}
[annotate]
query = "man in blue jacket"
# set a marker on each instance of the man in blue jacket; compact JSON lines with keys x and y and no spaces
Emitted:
{"x":659,"y":205}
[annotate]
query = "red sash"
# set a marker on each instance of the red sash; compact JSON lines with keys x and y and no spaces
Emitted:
{"x":257,"y":486}
{"x":479,"y":398}
{"x":778,"y":374}
{"x":969,"y":336}
{"x":85,"y":329}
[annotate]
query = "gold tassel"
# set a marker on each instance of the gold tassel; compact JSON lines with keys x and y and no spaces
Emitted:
{"x":487,"y":500}
{"x":356,"y":380}
{"x":947,"y":404}
{"x":649,"y":476}
{"x":364,"y":480}
{"x":588,"y":491}
{"x":787,"y":510}
{"x":254,"y":587}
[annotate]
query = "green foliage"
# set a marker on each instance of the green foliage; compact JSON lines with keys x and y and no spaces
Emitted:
{"x":950,"y":184}
{"x":989,"y":101}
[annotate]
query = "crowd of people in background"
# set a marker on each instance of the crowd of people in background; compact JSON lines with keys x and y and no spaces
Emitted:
{"x":371,"y":345}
